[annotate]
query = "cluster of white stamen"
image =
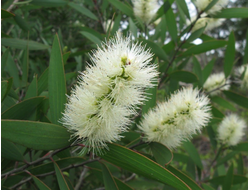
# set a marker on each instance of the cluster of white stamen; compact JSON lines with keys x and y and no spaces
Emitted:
{"x":108,"y":92}
{"x":176,"y":120}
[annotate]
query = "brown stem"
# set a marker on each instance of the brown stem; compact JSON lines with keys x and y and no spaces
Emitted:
{"x":177,"y":50}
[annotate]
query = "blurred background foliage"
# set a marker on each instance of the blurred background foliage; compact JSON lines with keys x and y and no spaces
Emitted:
{"x":31,"y":27}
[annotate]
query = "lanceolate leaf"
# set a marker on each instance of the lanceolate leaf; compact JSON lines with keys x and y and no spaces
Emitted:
{"x":191,"y":183}
{"x":135,"y":162}
{"x":35,"y":135}
{"x":237,"y":179}
{"x":204,"y":47}
{"x":237,"y":98}
{"x":10,"y":151}
{"x":241,"y":147}
{"x":83,"y":10}
{"x":193,"y":153}
{"x":60,"y":178}
{"x":57,"y":82}
{"x":229,"y":55}
{"x":184,"y":76}
{"x":21,"y":44}
{"x":6,"y":14}
{"x":40,"y":184}
{"x":161,"y":153}
{"x":232,"y":13}
{"x":23,"y":109}
{"x":122,"y":7}
{"x":108,"y":179}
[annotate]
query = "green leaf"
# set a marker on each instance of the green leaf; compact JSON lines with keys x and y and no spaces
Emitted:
{"x":57,"y":82}
{"x":207,"y":187}
{"x":122,"y":7}
{"x":222,"y":102}
{"x":108,"y":179}
{"x":193,"y":153}
{"x":151,"y":95}
{"x":23,"y":109}
{"x":161,"y":153}
{"x":22,"y":23}
{"x":228,"y":178}
{"x":39,"y":183}
{"x":83,"y":10}
{"x":22,"y":44}
{"x":42,"y":82}
{"x":217,"y":113}
{"x":10,"y":151}
{"x":183,"y":6}
{"x":191,"y":183}
{"x":207,"y":70}
{"x":6,"y":14}
{"x":212,"y":136}
{"x":5,"y":88}
{"x":210,"y":5}
{"x":65,"y":57}
{"x":229,"y":156}
{"x":237,"y":179}
{"x":49,"y":3}
{"x":13,"y":71}
{"x":163,"y":9}
{"x":35,"y":135}
{"x":25,"y":66}
{"x":92,"y":37}
{"x":32,"y":90}
{"x":204,"y":47}
{"x":4,"y":59}
{"x":197,"y":69}
{"x":232,"y":13}
{"x":237,"y":98}
{"x":171,"y":24}
{"x":184,"y":76}
{"x":240,"y":165}
{"x":60,"y":178}
{"x":156,"y":49}
{"x":196,"y":34}
{"x":229,"y":55}
{"x":241,"y":147}
{"x":135,"y":162}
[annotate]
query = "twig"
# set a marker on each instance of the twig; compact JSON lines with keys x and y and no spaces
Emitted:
{"x":12,"y":5}
{"x":138,"y":144}
{"x":84,"y":171}
{"x":99,"y":14}
{"x":53,"y":172}
{"x":130,"y":177}
{"x":48,"y":156}
{"x":177,"y":50}
{"x":218,"y":88}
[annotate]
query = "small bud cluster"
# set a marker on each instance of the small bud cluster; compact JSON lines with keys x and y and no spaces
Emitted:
{"x":231,"y":130}
{"x":242,"y":74}
{"x":145,"y":10}
{"x":216,"y":83}
{"x":176,"y":120}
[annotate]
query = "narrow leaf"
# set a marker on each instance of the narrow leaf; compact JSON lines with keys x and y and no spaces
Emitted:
{"x":83,"y":10}
{"x":40,"y":184}
{"x":6,"y":14}
{"x":57,"y":82}
{"x":60,"y":178}
{"x":229,"y":55}
{"x":35,"y":135}
{"x":135,"y":162}
{"x":228,"y":179}
{"x":10,"y":151}
{"x":108,"y":179}
{"x":237,"y":98}
{"x":184,"y":76}
{"x":232,"y":13}
{"x":23,"y":109}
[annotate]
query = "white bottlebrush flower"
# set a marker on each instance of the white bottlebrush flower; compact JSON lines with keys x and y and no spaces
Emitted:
{"x":231,"y":130}
{"x":108,"y":91}
{"x":242,"y":70}
{"x":145,"y":9}
{"x":210,"y":23}
{"x":202,"y":4}
{"x":216,"y":83}
{"x":176,"y":120}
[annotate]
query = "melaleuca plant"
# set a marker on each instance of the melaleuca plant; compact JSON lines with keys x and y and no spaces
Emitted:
{"x":111,"y":94}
